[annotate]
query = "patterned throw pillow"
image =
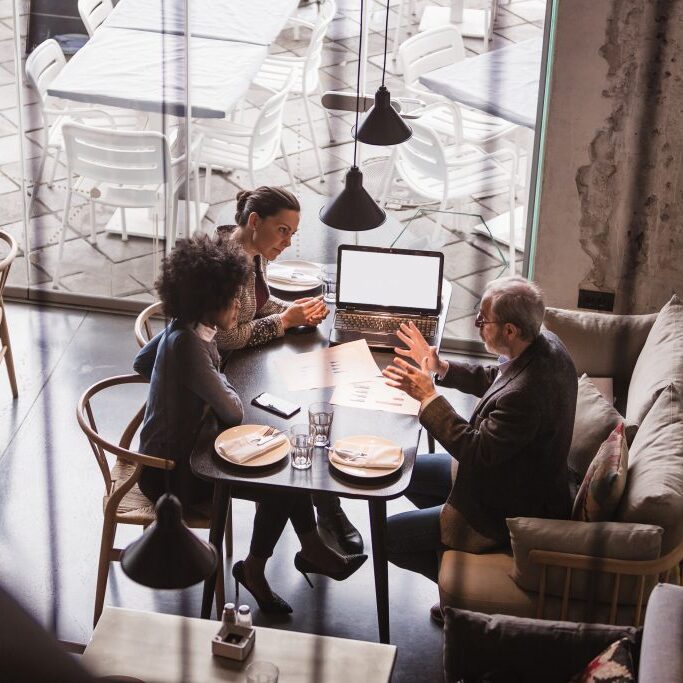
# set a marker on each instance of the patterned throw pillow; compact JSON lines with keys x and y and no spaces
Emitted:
{"x":605,"y":480}
{"x":613,"y":665}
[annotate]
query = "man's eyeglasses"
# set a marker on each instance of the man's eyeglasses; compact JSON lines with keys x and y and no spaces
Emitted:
{"x":480,"y":321}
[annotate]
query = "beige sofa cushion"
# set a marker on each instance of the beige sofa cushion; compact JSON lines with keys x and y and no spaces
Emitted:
{"x":595,"y":419}
{"x":482,"y":583}
{"x":602,"y":539}
{"x":600,"y":344}
{"x":660,"y":362}
{"x":654,"y":484}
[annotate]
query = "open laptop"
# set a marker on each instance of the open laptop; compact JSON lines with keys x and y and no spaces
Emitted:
{"x":378,"y":289}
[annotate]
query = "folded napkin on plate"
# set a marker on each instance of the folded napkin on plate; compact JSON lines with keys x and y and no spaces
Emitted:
{"x":241,"y":449}
{"x":385,"y":457}
{"x":291,"y":276}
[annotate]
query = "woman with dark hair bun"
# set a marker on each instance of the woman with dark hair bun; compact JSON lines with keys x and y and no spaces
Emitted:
{"x":199,"y":286}
{"x":266,"y":220}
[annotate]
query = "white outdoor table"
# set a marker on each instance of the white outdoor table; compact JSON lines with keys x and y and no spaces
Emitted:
{"x":143,"y":70}
{"x":255,"y":21}
{"x":503,"y":82}
{"x":157,"y":648}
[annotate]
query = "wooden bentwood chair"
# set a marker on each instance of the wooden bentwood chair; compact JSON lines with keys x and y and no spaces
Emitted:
{"x":5,"y":346}
{"x":123,"y":501}
{"x":143,"y":333}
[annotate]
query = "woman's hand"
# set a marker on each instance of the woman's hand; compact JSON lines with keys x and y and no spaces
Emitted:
{"x":418,"y":349}
{"x":309,"y":311}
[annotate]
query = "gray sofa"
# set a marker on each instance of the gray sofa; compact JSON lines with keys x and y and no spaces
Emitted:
{"x":599,"y":571}
{"x":501,"y":648}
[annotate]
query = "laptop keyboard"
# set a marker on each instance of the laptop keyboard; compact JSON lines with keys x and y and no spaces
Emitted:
{"x":378,"y":323}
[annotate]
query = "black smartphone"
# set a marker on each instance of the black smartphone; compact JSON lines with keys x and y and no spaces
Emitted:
{"x":275,"y":405}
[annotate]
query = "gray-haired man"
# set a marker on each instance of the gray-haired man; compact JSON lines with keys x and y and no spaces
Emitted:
{"x":512,"y":453}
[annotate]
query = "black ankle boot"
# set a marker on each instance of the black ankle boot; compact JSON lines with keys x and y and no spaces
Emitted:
{"x":337,"y":525}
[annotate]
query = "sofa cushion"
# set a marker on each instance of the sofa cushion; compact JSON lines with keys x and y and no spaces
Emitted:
{"x":654,"y":485}
{"x":661,"y":653}
{"x":531,"y":650}
{"x":602,"y":345}
{"x":595,"y":419}
{"x":660,"y":362}
{"x":602,"y":539}
{"x":605,"y":480}
{"x":613,"y":665}
{"x":482,"y":583}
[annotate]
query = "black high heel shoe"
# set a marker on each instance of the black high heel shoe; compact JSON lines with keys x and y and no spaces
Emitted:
{"x":351,"y":565}
{"x":273,"y":605}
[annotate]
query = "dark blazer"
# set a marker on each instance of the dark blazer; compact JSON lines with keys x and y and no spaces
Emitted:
{"x":512,"y":454}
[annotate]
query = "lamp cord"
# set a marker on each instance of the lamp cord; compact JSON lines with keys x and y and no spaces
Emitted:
{"x":360,"y":50}
{"x":386,"y":36}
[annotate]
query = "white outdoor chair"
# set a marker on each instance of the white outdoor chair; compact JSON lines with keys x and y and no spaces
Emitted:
{"x":452,"y":174}
{"x":129,"y":169}
{"x":433,"y":50}
{"x":476,"y":23}
{"x":275,"y":71}
{"x":93,"y":13}
{"x":230,"y":146}
{"x":42,"y":67}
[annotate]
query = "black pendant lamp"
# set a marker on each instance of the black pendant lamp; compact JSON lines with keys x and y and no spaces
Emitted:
{"x":353,"y":208}
{"x":383,"y":125}
{"x":168,"y":555}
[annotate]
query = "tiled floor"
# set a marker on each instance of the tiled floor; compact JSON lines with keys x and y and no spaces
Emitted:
{"x":112,"y":268}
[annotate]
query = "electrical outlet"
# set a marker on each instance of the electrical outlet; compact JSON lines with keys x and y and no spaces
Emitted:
{"x":596,"y":301}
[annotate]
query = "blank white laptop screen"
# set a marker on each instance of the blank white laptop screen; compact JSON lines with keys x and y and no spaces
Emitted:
{"x":370,"y":278}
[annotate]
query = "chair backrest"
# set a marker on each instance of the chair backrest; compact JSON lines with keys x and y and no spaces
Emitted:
{"x":6,"y":262}
{"x":43,"y":65}
{"x":421,"y":158}
{"x":430,"y":50}
{"x":267,"y":132}
{"x":99,"y":445}
{"x":93,"y":13}
{"x":313,"y":56}
{"x":143,"y":328}
{"x":135,"y":158}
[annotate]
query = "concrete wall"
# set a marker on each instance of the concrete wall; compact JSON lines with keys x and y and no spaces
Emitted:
{"x":611,"y":210}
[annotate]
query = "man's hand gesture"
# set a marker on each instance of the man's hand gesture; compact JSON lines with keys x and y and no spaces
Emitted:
{"x":416,"y":382}
{"x":418,"y":349}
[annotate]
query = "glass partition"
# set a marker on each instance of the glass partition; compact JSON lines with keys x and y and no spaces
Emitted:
{"x":98,"y":157}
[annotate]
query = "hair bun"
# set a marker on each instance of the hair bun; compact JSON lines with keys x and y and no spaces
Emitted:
{"x":242,"y":197}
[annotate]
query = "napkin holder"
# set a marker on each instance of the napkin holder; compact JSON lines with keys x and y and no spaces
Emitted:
{"x":233,"y":641}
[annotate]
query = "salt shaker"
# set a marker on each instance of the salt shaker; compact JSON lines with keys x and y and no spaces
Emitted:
{"x":244,"y":616}
{"x":229,"y":615}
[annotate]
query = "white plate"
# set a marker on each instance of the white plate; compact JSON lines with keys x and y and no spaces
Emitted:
{"x":268,"y":458}
{"x":306,"y":267}
{"x":363,"y":441}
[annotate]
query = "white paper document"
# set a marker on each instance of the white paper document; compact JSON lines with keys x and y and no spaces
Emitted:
{"x":374,"y":394}
{"x":330,"y":367}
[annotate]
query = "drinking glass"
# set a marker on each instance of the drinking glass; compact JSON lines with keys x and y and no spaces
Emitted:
{"x":301,"y":447}
{"x":330,"y":284}
{"x":262,"y":672}
{"x":319,"y":421}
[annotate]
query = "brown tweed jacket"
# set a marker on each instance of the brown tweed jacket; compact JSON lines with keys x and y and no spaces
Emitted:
{"x":512,"y":453}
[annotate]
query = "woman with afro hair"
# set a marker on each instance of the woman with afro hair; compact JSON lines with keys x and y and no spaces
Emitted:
{"x":199,"y":286}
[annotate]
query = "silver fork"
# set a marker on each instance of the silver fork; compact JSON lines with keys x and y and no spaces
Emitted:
{"x":347,"y":454}
{"x":257,"y":437}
